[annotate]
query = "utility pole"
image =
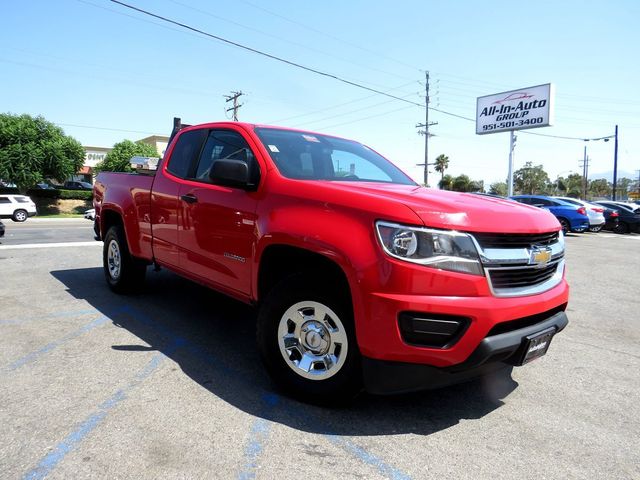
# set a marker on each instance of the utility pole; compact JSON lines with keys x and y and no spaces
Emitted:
{"x":512,"y":146}
{"x":425,"y":132}
{"x":615,"y":165}
{"x":585,"y":174}
{"x":234,"y":98}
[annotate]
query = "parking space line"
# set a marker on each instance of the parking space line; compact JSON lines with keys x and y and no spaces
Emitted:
{"x":367,"y":457}
{"x":33,"y":356}
{"x":27,"y":246}
{"x":76,"y":313}
{"x":258,"y":437}
{"x":71,"y":441}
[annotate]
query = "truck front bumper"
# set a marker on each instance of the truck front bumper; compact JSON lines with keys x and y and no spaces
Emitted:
{"x":493,"y":353}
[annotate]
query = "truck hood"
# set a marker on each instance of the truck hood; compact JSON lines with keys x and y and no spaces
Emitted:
{"x":461,"y":211}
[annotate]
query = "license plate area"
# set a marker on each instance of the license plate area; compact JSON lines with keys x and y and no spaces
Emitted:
{"x":536,"y":345}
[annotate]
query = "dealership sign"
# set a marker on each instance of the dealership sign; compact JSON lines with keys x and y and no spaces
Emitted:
{"x":515,"y":110}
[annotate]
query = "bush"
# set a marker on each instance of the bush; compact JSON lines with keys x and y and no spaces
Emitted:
{"x":62,"y":194}
{"x":76,"y":194}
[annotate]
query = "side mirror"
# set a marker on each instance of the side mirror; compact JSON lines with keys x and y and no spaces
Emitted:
{"x":231,"y":173}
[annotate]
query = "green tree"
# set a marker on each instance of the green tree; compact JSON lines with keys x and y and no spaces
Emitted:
{"x":599,"y":188}
{"x":530,"y":180}
{"x":446,"y":183}
{"x":498,"y":188}
{"x":32,"y":149}
{"x":441,"y":164}
{"x":622,"y":187}
{"x":118,"y":159}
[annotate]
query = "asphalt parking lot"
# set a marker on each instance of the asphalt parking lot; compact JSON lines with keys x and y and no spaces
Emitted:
{"x":168,"y":384}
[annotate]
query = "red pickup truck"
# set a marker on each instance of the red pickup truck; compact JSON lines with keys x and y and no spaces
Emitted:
{"x":362,"y":277}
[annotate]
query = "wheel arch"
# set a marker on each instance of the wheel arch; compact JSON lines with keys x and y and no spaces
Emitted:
{"x":279,"y":261}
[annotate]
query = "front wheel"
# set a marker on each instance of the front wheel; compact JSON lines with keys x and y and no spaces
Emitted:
{"x":123,"y":272}
{"x":20,"y":216}
{"x":564,"y":223}
{"x":307,"y":341}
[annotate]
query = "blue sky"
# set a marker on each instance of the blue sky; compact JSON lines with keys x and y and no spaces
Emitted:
{"x":93,"y":63}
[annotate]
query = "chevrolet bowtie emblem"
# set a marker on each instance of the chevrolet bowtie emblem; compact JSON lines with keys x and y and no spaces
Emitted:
{"x":540,"y":256}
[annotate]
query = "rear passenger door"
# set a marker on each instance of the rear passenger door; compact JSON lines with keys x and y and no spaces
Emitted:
{"x":217,"y":232}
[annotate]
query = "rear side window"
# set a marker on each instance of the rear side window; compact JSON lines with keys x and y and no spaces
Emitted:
{"x":22,"y":199}
{"x":185,"y":152}
{"x":223,"y":144}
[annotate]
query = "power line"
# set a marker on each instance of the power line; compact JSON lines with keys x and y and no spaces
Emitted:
{"x":93,"y":127}
{"x":335,"y":106}
{"x":267,"y":34}
{"x":320,"y":32}
{"x":264,"y":54}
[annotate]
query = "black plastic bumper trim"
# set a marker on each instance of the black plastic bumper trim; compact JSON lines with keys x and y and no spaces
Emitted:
{"x":383,"y":377}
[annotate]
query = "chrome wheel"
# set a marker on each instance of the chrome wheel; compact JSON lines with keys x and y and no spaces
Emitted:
{"x":20,"y":216}
{"x":312,"y":340}
{"x":114,"y":260}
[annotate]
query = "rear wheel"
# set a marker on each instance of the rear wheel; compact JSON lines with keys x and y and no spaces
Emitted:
{"x":622,"y":227}
{"x":123,"y":272}
{"x":20,"y":216}
{"x":307,"y":341}
{"x":595,"y":229}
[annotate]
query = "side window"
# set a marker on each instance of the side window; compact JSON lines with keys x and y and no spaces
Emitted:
{"x":347,"y":164}
{"x":542,"y":202}
{"x":185,"y":152}
{"x":525,"y":200}
{"x":4,"y":200}
{"x":223,"y":144}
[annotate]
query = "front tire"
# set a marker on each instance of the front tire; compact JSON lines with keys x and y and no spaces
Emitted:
{"x":306,"y":339}
{"x":123,"y":272}
{"x":20,"y":216}
{"x":566,"y":226}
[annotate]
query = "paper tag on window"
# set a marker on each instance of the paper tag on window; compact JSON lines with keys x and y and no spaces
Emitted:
{"x":310,"y":138}
{"x":273,"y":148}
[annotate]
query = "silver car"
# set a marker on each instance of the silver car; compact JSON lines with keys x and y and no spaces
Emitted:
{"x":594,"y":212}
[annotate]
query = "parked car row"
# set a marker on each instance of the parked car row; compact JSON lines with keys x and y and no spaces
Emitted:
{"x":579,"y":216}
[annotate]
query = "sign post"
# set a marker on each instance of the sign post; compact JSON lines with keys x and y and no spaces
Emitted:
{"x":521,"y":109}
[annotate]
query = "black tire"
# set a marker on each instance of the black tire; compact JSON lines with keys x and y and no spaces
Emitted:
{"x":622,"y":227}
{"x":346,"y":382}
{"x":128,"y":275}
{"x":566,"y":226}
{"x":20,"y":216}
{"x":595,"y":229}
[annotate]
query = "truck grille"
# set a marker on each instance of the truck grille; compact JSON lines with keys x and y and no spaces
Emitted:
{"x":509,"y":240}
{"x":511,"y":267}
{"x":521,"y":277}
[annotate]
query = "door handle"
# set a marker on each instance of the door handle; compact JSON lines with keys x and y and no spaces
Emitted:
{"x":189,"y":198}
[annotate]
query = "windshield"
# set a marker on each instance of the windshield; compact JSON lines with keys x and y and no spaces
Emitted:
{"x":307,"y":156}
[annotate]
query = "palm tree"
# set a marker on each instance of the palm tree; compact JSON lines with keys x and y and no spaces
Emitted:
{"x":441,"y":164}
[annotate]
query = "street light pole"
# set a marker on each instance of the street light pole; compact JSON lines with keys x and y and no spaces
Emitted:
{"x":615,"y":165}
{"x":512,"y":145}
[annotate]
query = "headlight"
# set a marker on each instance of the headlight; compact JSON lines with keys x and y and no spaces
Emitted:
{"x":444,"y":249}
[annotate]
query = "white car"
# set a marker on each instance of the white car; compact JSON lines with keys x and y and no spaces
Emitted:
{"x":17,"y":207}
{"x":594,"y":212}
